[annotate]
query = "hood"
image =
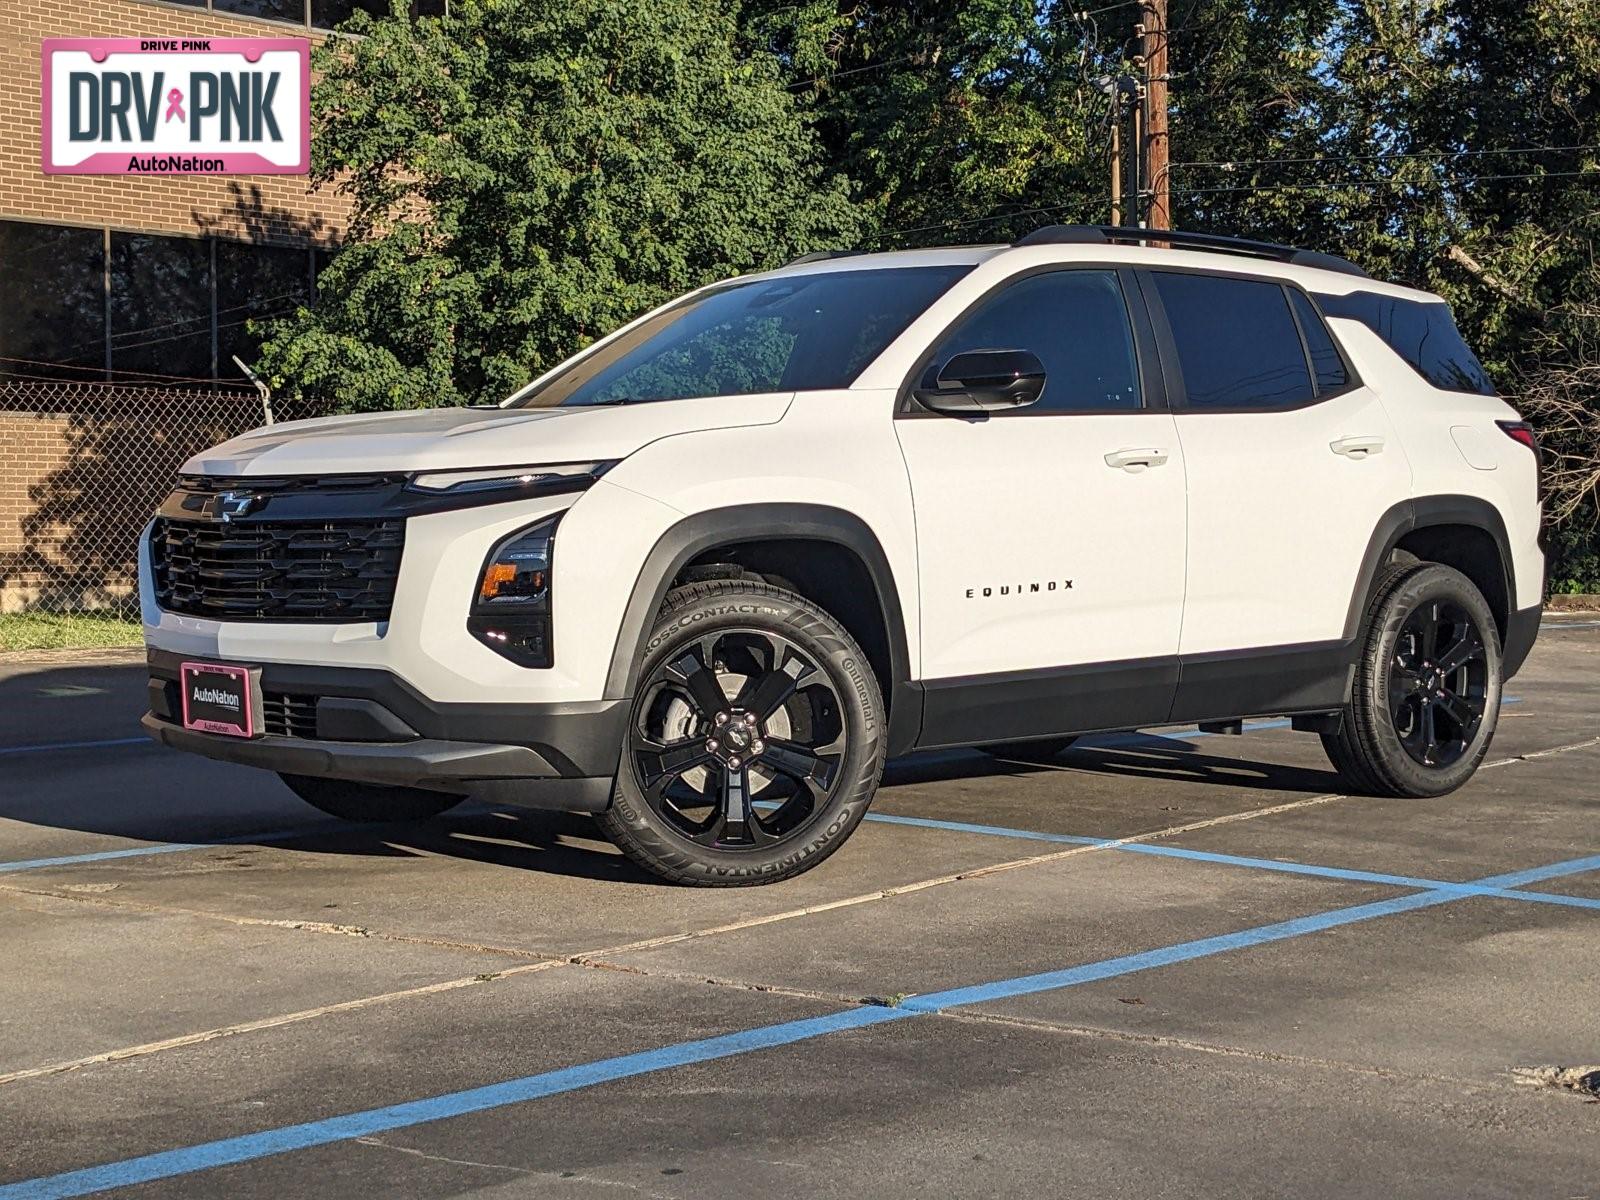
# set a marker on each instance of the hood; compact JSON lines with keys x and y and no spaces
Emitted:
{"x":462,"y":438}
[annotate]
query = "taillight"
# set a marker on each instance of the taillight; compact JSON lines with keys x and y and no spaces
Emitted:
{"x":1521,"y":431}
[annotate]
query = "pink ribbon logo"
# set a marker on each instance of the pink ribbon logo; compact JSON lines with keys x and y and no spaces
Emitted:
{"x":175,"y":105}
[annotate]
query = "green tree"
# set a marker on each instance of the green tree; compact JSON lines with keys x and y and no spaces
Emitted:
{"x":528,"y":174}
{"x":959,"y":120}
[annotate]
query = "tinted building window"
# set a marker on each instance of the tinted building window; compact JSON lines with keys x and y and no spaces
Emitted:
{"x":1075,"y":322}
{"x":160,"y":305}
{"x":1237,"y":342}
{"x":255,"y":283}
{"x":328,"y":14}
{"x":293,"y":11}
{"x":1326,"y":364}
{"x":1421,"y":333}
{"x":52,"y":301}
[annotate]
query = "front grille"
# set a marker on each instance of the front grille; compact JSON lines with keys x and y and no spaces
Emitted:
{"x":286,"y":715}
{"x":312,"y":571}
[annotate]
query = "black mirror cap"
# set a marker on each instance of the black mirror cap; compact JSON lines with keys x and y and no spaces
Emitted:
{"x":984,"y":381}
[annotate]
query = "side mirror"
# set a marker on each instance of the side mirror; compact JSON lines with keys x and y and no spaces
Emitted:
{"x":985,"y":381}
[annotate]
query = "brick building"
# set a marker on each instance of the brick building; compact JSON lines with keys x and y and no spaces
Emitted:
{"x":124,"y":298}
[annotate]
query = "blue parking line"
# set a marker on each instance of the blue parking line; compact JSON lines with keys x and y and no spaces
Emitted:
{"x":248,"y":1147}
{"x":1289,"y":867}
{"x":67,"y":860}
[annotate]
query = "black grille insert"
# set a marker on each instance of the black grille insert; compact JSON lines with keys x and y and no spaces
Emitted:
{"x":286,"y":715}
{"x":310,"y":571}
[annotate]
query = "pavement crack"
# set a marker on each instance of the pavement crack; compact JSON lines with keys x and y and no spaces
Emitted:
{"x":1583,"y":1080}
{"x":225,"y":1031}
{"x":1166,"y":1041}
{"x":557,"y":1176}
{"x":456,"y":1162}
{"x":293,"y":924}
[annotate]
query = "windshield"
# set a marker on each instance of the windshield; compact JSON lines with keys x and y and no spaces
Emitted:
{"x":775,"y":335}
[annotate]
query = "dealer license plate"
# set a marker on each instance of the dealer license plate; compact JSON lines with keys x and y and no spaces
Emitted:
{"x":219,"y":699}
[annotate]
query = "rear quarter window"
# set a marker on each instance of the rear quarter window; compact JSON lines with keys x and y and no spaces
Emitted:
{"x":1422,"y":333}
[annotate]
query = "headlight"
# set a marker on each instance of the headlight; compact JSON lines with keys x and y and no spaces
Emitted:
{"x":524,"y":481}
{"x":511,"y":607}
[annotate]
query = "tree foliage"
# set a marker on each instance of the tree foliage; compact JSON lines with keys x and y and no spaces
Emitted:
{"x":528,"y":174}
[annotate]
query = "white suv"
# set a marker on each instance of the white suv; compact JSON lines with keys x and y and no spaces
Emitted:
{"x":704,"y":577}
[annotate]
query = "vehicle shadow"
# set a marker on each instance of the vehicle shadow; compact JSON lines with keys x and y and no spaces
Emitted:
{"x":126,"y":789}
{"x":1149,"y":757}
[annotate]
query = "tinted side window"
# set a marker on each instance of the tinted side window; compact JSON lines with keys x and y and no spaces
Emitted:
{"x":1421,"y":333}
{"x":1077,"y":324}
{"x":1326,"y":364}
{"x":1236,"y":340}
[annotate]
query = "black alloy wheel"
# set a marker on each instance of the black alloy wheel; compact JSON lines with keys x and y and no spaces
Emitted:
{"x":1438,"y":683}
{"x":738,"y":739}
{"x":756,"y":738}
{"x":1426,"y":695}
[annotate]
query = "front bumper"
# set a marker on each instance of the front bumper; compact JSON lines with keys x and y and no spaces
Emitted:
{"x":369,"y":726}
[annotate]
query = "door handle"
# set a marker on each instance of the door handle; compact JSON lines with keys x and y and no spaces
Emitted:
{"x":1357,"y":447}
{"x":1136,"y":460}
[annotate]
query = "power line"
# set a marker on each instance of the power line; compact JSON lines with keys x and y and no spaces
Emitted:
{"x":1336,"y":185}
{"x":1384,"y":155}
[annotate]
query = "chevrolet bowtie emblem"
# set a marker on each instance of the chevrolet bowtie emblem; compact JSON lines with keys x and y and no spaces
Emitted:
{"x":229,"y":505}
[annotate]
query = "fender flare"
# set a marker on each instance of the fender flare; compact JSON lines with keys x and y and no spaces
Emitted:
{"x":1419,"y":513}
{"x":699,"y":532}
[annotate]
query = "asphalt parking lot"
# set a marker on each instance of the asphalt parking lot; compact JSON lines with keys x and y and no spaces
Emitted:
{"x":1170,"y":964}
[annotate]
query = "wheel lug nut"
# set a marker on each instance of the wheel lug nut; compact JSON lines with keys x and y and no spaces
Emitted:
{"x":756,"y":747}
{"x":711,"y":744}
{"x":722,"y":718}
{"x":733,"y":762}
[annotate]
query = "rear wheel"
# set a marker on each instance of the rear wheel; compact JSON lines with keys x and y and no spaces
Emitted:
{"x":1427,"y":690}
{"x":368,"y":802}
{"x":1038,"y":750}
{"x":756,"y":739}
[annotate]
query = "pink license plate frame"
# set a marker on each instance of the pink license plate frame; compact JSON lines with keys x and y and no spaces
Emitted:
{"x":210,"y":717}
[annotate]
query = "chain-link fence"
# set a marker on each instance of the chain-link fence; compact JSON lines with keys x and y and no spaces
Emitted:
{"x":82,"y":467}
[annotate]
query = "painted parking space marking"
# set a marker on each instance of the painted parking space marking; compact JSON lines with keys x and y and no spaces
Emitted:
{"x":1286,"y":866}
{"x":348,"y":1126}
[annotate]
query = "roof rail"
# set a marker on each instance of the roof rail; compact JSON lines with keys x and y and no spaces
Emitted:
{"x":1104,"y":234}
{"x":820,"y":255}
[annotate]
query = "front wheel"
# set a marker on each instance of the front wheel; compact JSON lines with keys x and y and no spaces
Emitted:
{"x":369,"y":802}
{"x":756,"y":739}
{"x":1427,"y":689}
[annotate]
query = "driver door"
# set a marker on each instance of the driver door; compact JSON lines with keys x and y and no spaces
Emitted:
{"x":1051,"y":538}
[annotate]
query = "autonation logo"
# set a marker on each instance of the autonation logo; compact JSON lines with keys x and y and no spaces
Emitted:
{"x":216,"y":696}
{"x":132,"y":106}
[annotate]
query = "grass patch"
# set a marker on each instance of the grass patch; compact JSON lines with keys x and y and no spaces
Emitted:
{"x":66,"y":631}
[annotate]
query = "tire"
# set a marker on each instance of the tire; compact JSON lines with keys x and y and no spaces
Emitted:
{"x":1037,"y":750}
{"x":1420,"y":621}
{"x":369,"y":802}
{"x":756,"y":739}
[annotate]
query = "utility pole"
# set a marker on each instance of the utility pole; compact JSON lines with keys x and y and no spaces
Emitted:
{"x":1116,"y":163}
{"x":1153,"y":148}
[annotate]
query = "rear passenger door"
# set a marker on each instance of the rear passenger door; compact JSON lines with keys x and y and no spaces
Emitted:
{"x":1291,"y":461}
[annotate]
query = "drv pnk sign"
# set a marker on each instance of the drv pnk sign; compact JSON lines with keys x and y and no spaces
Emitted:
{"x":176,"y":106}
